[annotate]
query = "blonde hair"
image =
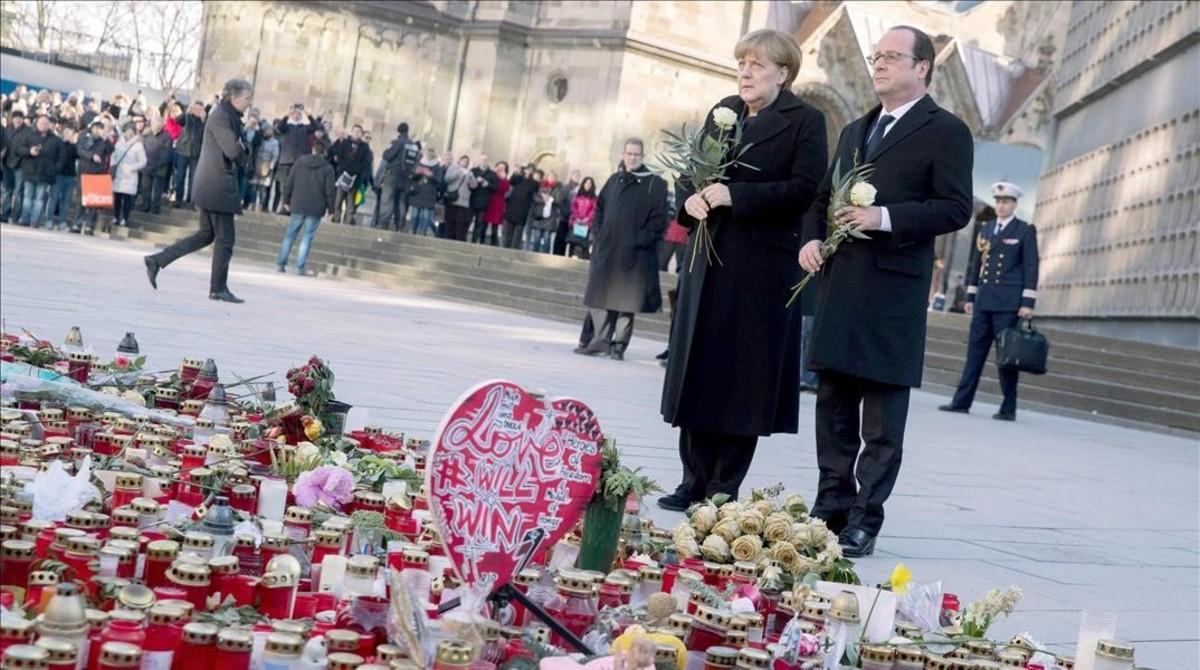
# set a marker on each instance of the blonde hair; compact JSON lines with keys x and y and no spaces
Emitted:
{"x":777,"y":47}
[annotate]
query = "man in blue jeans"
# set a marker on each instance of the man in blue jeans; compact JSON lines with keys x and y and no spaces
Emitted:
{"x":308,"y":193}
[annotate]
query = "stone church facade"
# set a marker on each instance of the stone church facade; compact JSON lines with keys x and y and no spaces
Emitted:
{"x":562,"y":83}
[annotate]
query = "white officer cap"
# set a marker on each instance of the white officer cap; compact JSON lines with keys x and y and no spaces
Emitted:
{"x":1004,"y":189}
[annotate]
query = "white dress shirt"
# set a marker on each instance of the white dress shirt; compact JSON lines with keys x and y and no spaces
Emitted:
{"x":1002,"y":223}
{"x":885,"y":222}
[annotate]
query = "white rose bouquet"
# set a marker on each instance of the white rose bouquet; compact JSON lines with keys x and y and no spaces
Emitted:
{"x":702,"y":159}
{"x":848,"y":189}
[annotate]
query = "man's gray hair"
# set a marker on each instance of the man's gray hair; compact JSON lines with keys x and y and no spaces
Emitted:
{"x":235,"y":88}
{"x":635,"y":140}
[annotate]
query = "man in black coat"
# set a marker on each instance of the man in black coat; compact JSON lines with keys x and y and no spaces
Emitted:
{"x":293,"y":132}
{"x":520,"y":200}
{"x":481,"y":195}
{"x":351,"y":156}
{"x":868,"y":343}
{"x":94,"y":153}
{"x":13,"y":181}
{"x":631,"y":215}
{"x":157,"y":144}
{"x":217,"y":193}
{"x":1001,"y":292}
{"x":399,"y":159}
{"x":39,"y":163}
{"x":187,"y":153}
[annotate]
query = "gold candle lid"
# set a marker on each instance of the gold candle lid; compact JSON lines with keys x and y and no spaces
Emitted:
{"x":340,"y":639}
{"x":362,"y":566}
{"x":25,"y":657}
{"x":224,"y":565}
{"x":162,"y":550}
{"x":340,"y":660}
{"x":980,"y":647}
{"x":196,"y":539}
{"x":83,"y":544}
{"x":1010,"y":658}
{"x":276,"y":541}
{"x":200,"y":633}
{"x":724,"y":657}
{"x":622,"y":583}
{"x":421,"y":557}
{"x":298,"y":514}
{"x":455,"y":652}
{"x":58,"y":650}
{"x":16,"y":549}
{"x":121,"y":654}
{"x":279,"y":579}
{"x":284,"y":644}
{"x":189,"y":574}
{"x":1067,"y":662}
{"x":126,"y":516}
{"x":165,"y":613}
{"x":1115,"y":649}
{"x":129,"y":480}
{"x":528,"y":576}
{"x":679,"y":621}
{"x":148,"y":506}
{"x":326,"y":537}
{"x":234,"y":640}
{"x":43,"y":578}
{"x":737,"y":638}
{"x":712,"y":616}
{"x":910,"y":654}
{"x":575,"y":582}
{"x":389,"y":652}
{"x":877,"y":653}
{"x":753,"y":659}
{"x":667,"y":653}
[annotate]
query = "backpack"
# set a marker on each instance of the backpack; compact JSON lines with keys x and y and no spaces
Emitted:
{"x":412,"y":155}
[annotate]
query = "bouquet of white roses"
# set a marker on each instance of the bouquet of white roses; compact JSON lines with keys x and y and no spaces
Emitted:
{"x":764,"y":531}
{"x":702,"y":160}
{"x":850,"y":189}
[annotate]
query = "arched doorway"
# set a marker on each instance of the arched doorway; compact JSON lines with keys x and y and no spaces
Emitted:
{"x":830,"y":103}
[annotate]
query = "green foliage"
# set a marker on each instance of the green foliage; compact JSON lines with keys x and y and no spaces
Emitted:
{"x":37,"y":356}
{"x":531,"y":655}
{"x":228,"y":614}
{"x":769,"y":493}
{"x":375,"y":470}
{"x":618,"y":482}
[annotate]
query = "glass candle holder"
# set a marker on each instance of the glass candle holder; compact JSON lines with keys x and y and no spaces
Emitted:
{"x":119,"y":656}
{"x":197,"y":647}
{"x":234,"y":648}
{"x":575,"y":605}
{"x":708,"y":628}
{"x":282,"y":651}
{"x":16,"y":558}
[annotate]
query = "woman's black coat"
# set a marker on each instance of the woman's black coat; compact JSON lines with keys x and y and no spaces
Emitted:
{"x":735,"y":349}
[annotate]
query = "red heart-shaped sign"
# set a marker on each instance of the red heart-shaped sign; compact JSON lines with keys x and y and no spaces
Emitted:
{"x":508,"y":470}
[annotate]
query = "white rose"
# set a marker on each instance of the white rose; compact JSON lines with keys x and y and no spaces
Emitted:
{"x":862,"y":194}
{"x":134,"y":397}
{"x":724,"y":117}
{"x":338,"y":458}
{"x":307,"y":450}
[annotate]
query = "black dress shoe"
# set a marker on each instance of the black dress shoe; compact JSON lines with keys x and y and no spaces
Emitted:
{"x":225,"y":296}
{"x":617,"y":355}
{"x":856,"y":543}
{"x":679,"y":501}
{"x":1005,"y":416}
{"x":152,"y":268}
{"x":663,"y":355}
{"x":954,"y":408}
{"x":587,"y":351}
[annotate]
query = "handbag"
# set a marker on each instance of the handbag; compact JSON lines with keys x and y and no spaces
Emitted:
{"x":579,"y":231}
{"x":96,"y":191}
{"x":1022,"y":348}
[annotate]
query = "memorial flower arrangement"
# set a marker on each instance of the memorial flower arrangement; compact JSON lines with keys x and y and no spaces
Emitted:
{"x":848,"y":189}
{"x":701,"y":159}
{"x":765,"y":531}
{"x":982,"y":613}
{"x":312,"y":385}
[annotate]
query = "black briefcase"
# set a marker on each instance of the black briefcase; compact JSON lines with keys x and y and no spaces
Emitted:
{"x":1022,"y":348}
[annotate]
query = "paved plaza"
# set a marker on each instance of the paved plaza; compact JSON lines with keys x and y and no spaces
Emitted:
{"x":1080,"y":515}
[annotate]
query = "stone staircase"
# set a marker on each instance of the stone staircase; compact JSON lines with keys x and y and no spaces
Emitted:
{"x":1129,"y":383}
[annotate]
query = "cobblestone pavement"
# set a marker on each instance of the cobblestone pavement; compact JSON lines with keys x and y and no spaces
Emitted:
{"x":1080,"y":515}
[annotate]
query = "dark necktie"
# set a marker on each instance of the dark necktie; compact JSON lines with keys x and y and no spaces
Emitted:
{"x":876,"y":137}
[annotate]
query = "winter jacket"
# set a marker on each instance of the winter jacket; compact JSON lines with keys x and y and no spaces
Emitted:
{"x":544,"y":214}
{"x":399,"y":160}
{"x":495,"y":209}
{"x":265,"y":161}
{"x":66,"y":160}
{"x":424,"y":185}
{"x":172,"y":127}
{"x":487,"y":181}
{"x":353,"y":157}
{"x":293,"y":139}
{"x":191,"y":139}
{"x":13,"y":141}
{"x":520,"y":199}
{"x":222,"y":154}
{"x":158,"y":153}
{"x":309,"y":189}
{"x":583,"y":208}
{"x":457,"y":179}
{"x":39,"y":168}
{"x":128,"y":158}
{"x":88,"y":148}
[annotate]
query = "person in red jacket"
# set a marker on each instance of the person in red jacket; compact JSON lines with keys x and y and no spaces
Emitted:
{"x":583,"y":210}
{"x":494,"y":216}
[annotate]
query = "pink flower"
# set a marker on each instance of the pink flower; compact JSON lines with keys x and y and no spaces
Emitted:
{"x":121,"y":362}
{"x":809,"y":645}
{"x":327,"y":484}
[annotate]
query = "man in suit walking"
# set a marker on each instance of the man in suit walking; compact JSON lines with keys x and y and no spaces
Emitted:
{"x":868,"y":344}
{"x":1002,"y":288}
{"x":217,"y":195}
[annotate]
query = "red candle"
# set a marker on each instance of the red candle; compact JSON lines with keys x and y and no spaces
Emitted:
{"x":233,"y":650}
{"x":160,"y":554}
{"x":194,"y":580}
{"x":276,"y":592}
{"x":575,"y":607}
{"x":197,"y":648}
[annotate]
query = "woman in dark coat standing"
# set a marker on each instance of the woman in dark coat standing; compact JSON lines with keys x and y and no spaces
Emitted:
{"x":734,"y":370}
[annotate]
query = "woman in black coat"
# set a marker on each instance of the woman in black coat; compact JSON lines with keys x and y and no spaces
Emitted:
{"x":734,"y":370}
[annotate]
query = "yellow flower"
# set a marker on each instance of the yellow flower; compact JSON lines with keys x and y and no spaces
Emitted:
{"x":795,"y":505}
{"x":901,"y":576}
{"x":746,"y":548}
{"x":730,"y":510}
{"x":786,"y":554}
{"x":313,"y":429}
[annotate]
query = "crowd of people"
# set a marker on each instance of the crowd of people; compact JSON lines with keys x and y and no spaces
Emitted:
{"x":151,"y":152}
